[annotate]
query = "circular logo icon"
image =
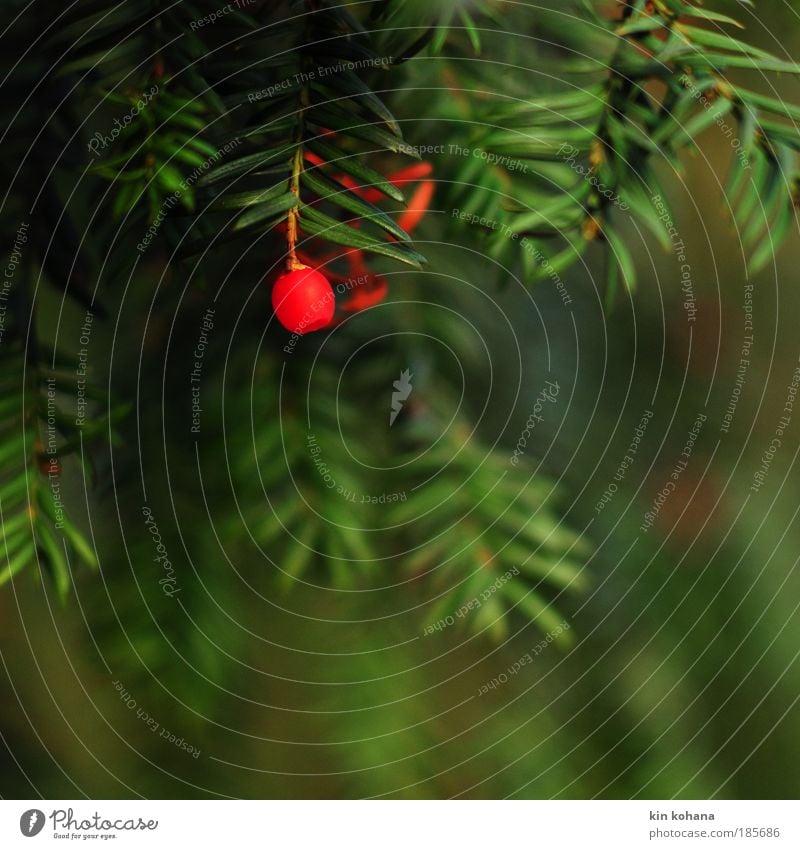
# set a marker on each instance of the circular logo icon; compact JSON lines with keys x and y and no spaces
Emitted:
{"x":31,"y":822}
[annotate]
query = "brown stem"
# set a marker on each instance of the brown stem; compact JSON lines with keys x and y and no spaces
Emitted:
{"x":292,"y":263}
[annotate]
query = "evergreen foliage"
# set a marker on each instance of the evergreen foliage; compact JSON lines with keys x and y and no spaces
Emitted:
{"x":233,"y":130}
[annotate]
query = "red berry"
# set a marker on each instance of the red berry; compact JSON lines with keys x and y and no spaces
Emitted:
{"x":303,"y":300}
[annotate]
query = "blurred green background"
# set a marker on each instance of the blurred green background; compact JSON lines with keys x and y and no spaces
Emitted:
{"x":683,"y":680}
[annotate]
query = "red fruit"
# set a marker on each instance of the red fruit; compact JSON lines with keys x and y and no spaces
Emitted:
{"x":303,"y":300}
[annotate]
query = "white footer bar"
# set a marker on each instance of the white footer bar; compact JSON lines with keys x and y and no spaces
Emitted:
{"x":402,"y":824}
